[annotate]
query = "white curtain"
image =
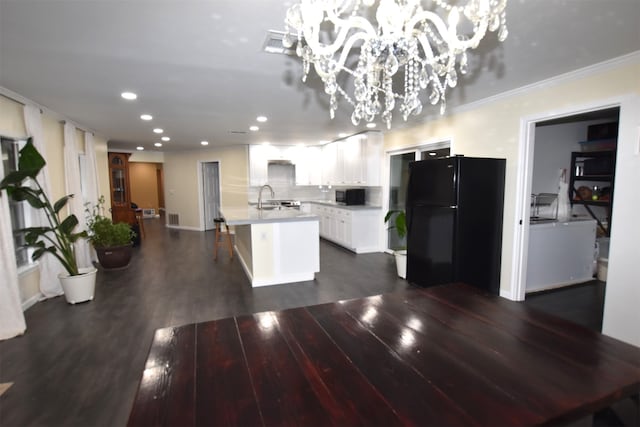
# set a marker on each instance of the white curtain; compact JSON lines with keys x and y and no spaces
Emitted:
{"x":72,"y":186}
{"x":91,"y":174}
{"x":49,"y":266}
{"x":11,"y":317}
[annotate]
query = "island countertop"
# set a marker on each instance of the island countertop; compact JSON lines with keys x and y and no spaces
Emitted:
{"x":251,"y":215}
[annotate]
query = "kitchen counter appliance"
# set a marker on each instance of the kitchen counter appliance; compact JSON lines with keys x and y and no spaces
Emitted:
{"x":350,"y":196}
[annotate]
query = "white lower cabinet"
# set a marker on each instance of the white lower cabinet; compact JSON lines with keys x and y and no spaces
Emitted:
{"x":354,"y":229}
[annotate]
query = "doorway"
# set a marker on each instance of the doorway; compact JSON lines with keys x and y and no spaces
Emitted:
{"x":556,"y":254}
{"x":210,"y":193}
{"x":399,"y":178}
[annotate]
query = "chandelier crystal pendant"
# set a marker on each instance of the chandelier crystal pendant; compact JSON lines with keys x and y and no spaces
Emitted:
{"x":408,"y":37}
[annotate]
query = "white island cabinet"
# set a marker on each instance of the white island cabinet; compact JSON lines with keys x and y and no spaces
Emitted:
{"x":352,"y":227}
{"x":276,"y":246}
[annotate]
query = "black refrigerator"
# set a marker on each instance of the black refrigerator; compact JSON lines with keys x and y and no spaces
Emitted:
{"x":454,"y":221}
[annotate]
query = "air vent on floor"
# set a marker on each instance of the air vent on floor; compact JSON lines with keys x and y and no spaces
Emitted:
{"x":273,"y":44}
{"x":174,"y":219}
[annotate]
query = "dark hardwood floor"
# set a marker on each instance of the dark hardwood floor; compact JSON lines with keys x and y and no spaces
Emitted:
{"x":582,"y":303}
{"x":80,"y":365}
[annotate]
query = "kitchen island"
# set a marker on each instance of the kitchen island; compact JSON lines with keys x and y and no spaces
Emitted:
{"x":276,"y":246}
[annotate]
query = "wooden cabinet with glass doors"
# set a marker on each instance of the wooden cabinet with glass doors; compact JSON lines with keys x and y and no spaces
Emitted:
{"x":120,"y":188}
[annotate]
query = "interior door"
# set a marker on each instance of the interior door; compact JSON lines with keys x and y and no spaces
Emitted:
{"x":211,"y":186}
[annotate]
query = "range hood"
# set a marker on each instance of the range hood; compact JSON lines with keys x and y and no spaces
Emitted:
{"x":281,"y":173}
{"x":280,"y":162}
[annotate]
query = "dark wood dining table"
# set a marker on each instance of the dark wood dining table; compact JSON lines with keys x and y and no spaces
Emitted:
{"x":442,"y":356}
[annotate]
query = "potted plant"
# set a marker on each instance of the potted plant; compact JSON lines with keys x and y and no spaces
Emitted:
{"x":112,"y":242}
{"x":397,"y":220}
{"x":58,"y":236}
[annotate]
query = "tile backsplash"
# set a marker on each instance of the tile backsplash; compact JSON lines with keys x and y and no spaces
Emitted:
{"x":373,"y":195}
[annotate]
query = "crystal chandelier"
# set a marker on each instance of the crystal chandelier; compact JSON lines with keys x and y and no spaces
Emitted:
{"x":330,"y":33}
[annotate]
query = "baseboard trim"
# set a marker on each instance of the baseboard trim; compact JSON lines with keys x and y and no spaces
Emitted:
{"x":31,"y":301}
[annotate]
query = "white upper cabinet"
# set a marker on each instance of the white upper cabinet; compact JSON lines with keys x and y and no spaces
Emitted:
{"x":259,"y":157}
{"x":354,"y":161}
{"x":372,"y":158}
{"x":308,"y":165}
{"x":328,"y":159}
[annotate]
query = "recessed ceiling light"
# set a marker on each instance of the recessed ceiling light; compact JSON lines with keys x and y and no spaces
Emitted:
{"x":158,"y":130}
{"x":146,"y":117}
{"x":158,"y":144}
{"x":261,"y":119}
{"x":342,"y":135}
{"x":139,"y":148}
{"x":204,"y":142}
{"x":166,"y":138}
{"x":371,"y":125}
{"x":432,"y":154}
{"x":130,"y":96}
{"x":254,"y":128}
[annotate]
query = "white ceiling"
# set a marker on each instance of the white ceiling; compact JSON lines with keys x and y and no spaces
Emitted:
{"x":199,"y":69}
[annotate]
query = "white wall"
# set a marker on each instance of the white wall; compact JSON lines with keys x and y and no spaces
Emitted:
{"x":622,"y":299}
{"x":552,"y":151}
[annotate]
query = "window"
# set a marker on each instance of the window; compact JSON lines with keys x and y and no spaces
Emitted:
{"x":18,"y":210}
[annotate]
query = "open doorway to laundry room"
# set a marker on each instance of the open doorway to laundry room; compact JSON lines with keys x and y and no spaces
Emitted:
{"x":568,"y":223}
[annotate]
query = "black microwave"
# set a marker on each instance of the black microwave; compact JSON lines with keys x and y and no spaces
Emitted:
{"x":350,"y":196}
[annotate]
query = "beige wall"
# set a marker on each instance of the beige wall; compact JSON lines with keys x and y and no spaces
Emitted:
{"x":492,"y":129}
{"x":182,"y":175}
{"x":12,"y":124}
{"x":144,"y":184}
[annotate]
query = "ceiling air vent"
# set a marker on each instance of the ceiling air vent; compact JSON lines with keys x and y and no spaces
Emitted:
{"x":238,"y":132}
{"x":273,"y":44}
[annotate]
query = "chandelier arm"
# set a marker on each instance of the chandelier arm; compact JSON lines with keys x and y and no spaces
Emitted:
{"x":426,"y":15}
{"x":426,"y":47}
{"x":347,"y":49}
{"x":344,"y":25}
{"x":448,"y":33}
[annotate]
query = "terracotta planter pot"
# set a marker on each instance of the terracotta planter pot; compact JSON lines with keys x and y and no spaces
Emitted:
{"x":115,"y":256}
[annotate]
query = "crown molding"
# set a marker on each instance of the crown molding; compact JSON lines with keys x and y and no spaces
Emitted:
{"x":600,"y":67}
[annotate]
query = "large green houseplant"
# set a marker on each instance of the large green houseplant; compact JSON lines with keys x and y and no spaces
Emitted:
{"x":58,"y":237}
{"x":397,"y":221}
{"x":112,"y":242}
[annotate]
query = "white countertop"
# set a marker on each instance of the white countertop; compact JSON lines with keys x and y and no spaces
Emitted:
{"x":556,"y":223}
{"x":341,"y":206}
{"x":251,"y":215}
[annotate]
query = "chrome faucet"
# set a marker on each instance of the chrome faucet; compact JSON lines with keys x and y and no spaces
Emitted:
{"x":260,"y":194}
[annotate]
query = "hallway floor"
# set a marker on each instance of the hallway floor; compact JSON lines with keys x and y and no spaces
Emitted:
{"x":80,"y":365}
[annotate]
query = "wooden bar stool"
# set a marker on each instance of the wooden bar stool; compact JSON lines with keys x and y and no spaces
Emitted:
{"x":221,"y":237}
